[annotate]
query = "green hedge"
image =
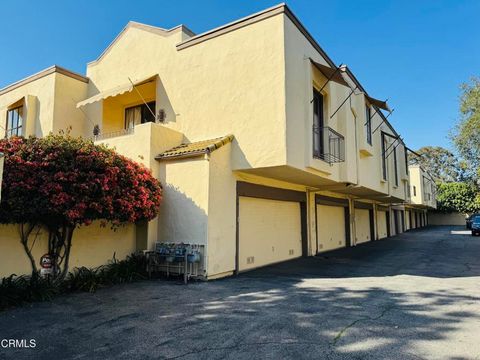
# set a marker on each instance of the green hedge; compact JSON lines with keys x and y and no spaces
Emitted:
{"x":18,"y":290}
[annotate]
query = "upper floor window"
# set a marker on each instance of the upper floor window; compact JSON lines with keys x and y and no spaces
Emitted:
{"x":14,"y":122}
{"x":395,"y":165}
{"x":368,"y":124}
{"x":384,"y":159}
{"x":318,"y":124}
{"x":139,"y":114}
{"x":414,"y":190}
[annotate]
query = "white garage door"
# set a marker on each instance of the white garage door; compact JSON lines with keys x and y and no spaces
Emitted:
{"x":330,"y":227}
{"x":269,"y":232}
{"x":382,"y":224}
{"x":362,"y":225}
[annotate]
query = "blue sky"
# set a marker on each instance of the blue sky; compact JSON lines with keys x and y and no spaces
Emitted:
{"x":415,"y":53}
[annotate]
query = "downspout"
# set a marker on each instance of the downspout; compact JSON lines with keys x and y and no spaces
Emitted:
{"x":309,"y":192}
{"x":353,"y":224}
{"x":205,"y":247}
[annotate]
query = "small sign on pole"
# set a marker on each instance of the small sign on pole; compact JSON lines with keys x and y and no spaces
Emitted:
{"x":46,"y":264}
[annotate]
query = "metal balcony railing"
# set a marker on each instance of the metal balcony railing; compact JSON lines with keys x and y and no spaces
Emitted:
{"x":112,"y":134}
{"x":328,"y":145}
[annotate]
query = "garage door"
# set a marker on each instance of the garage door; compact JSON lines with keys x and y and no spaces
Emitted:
{"x":330,"y":227}
{"x":269,"y":232}
{"x":382,"y":224}
{"x":362,"y":226}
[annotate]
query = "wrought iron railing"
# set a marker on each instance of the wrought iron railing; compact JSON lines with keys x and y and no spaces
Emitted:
{"x":328,"y":145}
{"x":112,"y":134}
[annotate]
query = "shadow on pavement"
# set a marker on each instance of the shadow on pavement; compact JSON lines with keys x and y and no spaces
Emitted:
{"x":413,"y":296}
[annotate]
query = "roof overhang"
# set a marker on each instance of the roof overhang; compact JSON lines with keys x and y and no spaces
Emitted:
{"x":118,"y":90}
{"x":194,"y":149}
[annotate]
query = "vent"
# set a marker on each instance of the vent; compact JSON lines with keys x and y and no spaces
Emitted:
{"x":290,"y":252}
{"x":250,"y":260}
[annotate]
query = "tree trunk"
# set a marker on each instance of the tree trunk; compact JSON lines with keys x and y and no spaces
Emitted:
{"x":60,"y":244}
{"x":68,"y":245}
{"x":25,"y":231}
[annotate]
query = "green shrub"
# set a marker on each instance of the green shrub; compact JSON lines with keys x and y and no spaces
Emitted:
{"x":83,"y":279}
{"x":133,"y":268}
{"x":17,"y":290}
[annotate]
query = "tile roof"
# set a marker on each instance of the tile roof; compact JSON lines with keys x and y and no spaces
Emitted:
{"x":195,"y":148}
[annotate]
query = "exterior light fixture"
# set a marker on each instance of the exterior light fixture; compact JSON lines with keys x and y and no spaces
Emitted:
{"x":162,"y":115}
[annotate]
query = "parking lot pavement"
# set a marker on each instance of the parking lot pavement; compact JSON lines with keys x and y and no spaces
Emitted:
{"x":413,"y":296}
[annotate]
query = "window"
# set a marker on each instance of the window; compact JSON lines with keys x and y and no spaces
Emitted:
{"x":384,"y":159}
{"x":414,"y":190}
{"x":318,"y":124}
{"x":368,"y":124}
{"x":395,"y":165}
{"x":139,"y":114}
{"x":14,"y":122}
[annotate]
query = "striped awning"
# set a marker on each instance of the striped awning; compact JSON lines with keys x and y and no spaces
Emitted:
{"x":118,"y":90}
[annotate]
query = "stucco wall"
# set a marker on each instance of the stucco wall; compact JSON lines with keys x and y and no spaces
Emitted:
{"x":417,"y":175}
{"x":66,"y":116}
{"x":300,"y":78}
{"x":43,"y":92}
{"x":446,"y":219}
{"x":206,"y":89}
{"x":113,"y":118}
{"x":91,"y":246}
{"x":221,"y":213}
{"x":184,"y":209}
{"x":363,"y":165}
{"x":49,"y":104}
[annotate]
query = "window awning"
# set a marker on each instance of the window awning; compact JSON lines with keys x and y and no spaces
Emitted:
{"x":331,"y":73}
{"x":378,"y":103}
{"x":118,"y":90}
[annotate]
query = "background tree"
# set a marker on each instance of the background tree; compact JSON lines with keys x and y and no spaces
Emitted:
{"x":457,"y":197}
{"x":466,"y":135}
{"x":441,"y":163}
{"x":60,"y":183}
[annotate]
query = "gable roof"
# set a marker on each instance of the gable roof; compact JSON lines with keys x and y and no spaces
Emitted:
{"x":50,"y":70}
{"x":153,"y":29}
{"x":195,"y":148}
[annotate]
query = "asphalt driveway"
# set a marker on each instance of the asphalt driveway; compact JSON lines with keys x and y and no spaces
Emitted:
{"x":414,"y":296}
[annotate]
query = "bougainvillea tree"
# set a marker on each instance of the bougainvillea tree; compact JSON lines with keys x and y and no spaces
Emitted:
{"x":60,"y":183}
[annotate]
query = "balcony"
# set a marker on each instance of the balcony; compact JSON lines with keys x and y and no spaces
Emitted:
{"x":143,"y":142}
{"x":328,"y":145}
{"x":112,"y":134}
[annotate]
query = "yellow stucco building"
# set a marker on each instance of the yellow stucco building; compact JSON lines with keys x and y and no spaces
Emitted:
{"x":266,"y":149}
